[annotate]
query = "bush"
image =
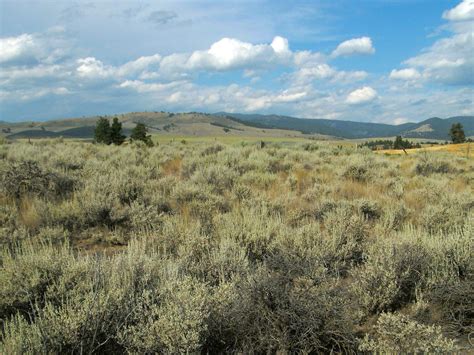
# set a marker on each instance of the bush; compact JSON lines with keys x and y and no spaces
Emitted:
{"x":390,"y":276}
{"x":395,"y":333}
{"x":359,"y":173}
{"x":429,"y":166}
{"x":20,"y":179}
{"x":274,"y":314}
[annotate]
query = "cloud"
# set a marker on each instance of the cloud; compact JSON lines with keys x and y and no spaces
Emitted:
{"x":34,"y":48}
{"x":93,"y":68}
{"x":17,"y":48}
{"x":361,"y":96}
{"x":161,"y":17}
{"x":230,"y":53}
{"x":462,"y":12}
{"x":139,"y":66}
{"x":362,"y":45}
{"x":405,"y":74}
{"x":143,"y":87}
{"x":449,"y":60}
{"x":324,"y":71}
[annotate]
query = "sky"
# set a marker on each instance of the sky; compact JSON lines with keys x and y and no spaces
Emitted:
{"x":387,"y":61}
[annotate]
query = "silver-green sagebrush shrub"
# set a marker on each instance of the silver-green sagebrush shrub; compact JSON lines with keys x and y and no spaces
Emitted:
{"x":27,"y":177}
{"x":390,"y":275}
{"x":26,"y":273}
{"x":274,"y":313}
{"x":397,"y":334}
{"x":173,"y":321}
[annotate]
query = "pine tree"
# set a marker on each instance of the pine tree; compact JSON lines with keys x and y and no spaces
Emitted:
{"x":102,"y":131}
{"x":398,"y":144}
{"x":116,"y":136}
{"x":457,"y":133}
{"x":139,"y":133}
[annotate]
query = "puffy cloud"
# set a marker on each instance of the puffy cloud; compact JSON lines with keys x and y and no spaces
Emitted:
{"x":143,"y":87}
{"x":362,"y":45}
{"x":230,"y":53}
{"x":405,"y":74}
{"x":14,"y":48}
{"x":326,"y":72}
{"x":462,"y":12}
{"x":139,"y":66}
{"x":93,"y":68}
{"x":449,"y":60}
{"x":308,"y":58}
{"x":280,"y":45}
{"x":34,"y":48}
{"x":361,"y":96}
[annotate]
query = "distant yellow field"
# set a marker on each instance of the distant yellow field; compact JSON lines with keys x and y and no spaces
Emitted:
{"x":465,"y":149}
{"x":229,"y":139}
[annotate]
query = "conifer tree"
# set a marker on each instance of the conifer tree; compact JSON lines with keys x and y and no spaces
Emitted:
{"x":116,"y":136}
{"x":457,"y":133}
{"x":139,"y":133}
{"x":102,"y":131}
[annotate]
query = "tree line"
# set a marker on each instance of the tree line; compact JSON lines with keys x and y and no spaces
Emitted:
{"x":107,"y":133}
{"x":456,"y":133}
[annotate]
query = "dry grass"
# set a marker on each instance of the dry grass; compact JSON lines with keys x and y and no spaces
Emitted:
{"x":172,"y":167}
{"x":28,"y":214}
{"x":201,"y":247}
{"x":464,"y":150}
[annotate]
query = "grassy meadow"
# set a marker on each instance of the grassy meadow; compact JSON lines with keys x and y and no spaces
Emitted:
{"x":220,"y":245}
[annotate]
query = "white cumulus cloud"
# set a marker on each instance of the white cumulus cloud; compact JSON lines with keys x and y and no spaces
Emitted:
{"x":405,"y":74}
{"x":361,"y":96}
{"x":92,"y":68}
{"x":231,"y":53}
{"x":362,"y":45}
{"x":16,"y":47}
{"x":450,"y":60}
{"x":463,"y":12}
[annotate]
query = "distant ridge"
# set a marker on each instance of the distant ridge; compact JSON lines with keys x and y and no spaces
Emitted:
{"x":223,"y":123}
{"x":432,"y":128}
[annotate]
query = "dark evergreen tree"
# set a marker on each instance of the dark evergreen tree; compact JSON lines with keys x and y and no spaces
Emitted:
{"x":139,"y":133}
{"x":398,"y":144}
{"x":457,"y":133}
{"x":116,"y":136}
{"x":102,"y":131}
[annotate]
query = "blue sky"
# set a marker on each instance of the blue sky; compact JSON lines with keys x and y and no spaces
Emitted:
{"x":388,"y":61}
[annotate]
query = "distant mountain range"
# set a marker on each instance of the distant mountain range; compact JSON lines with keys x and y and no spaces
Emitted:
{"x":432,"y":128}
{"x":236,"y":124}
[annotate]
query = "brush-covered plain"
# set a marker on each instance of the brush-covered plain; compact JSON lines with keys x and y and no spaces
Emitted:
{"x":219,"y":247}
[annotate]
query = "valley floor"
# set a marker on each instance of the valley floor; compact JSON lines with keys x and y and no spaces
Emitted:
{"x":214,"y":245}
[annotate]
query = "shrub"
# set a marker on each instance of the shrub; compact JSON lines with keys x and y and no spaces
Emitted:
{"x":357,"y":172}
{"x":19,"y":179}
{"x":272,"y":313}
{"x":390,"y":276}
{"x":174,"y":321}
{"x":395,"y":333}
{"x":428,"y":166}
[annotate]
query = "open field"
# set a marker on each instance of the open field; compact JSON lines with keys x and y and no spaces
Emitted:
{"x":464,"y":150}
{"x":212,"y":245}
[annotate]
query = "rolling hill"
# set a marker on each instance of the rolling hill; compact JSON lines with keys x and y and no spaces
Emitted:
{"x":163,"y":123}
{"x":235,"y":124}
{"x":433,"y":128}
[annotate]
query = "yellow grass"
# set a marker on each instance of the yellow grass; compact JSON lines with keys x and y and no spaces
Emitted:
{"x":464,"y":149}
